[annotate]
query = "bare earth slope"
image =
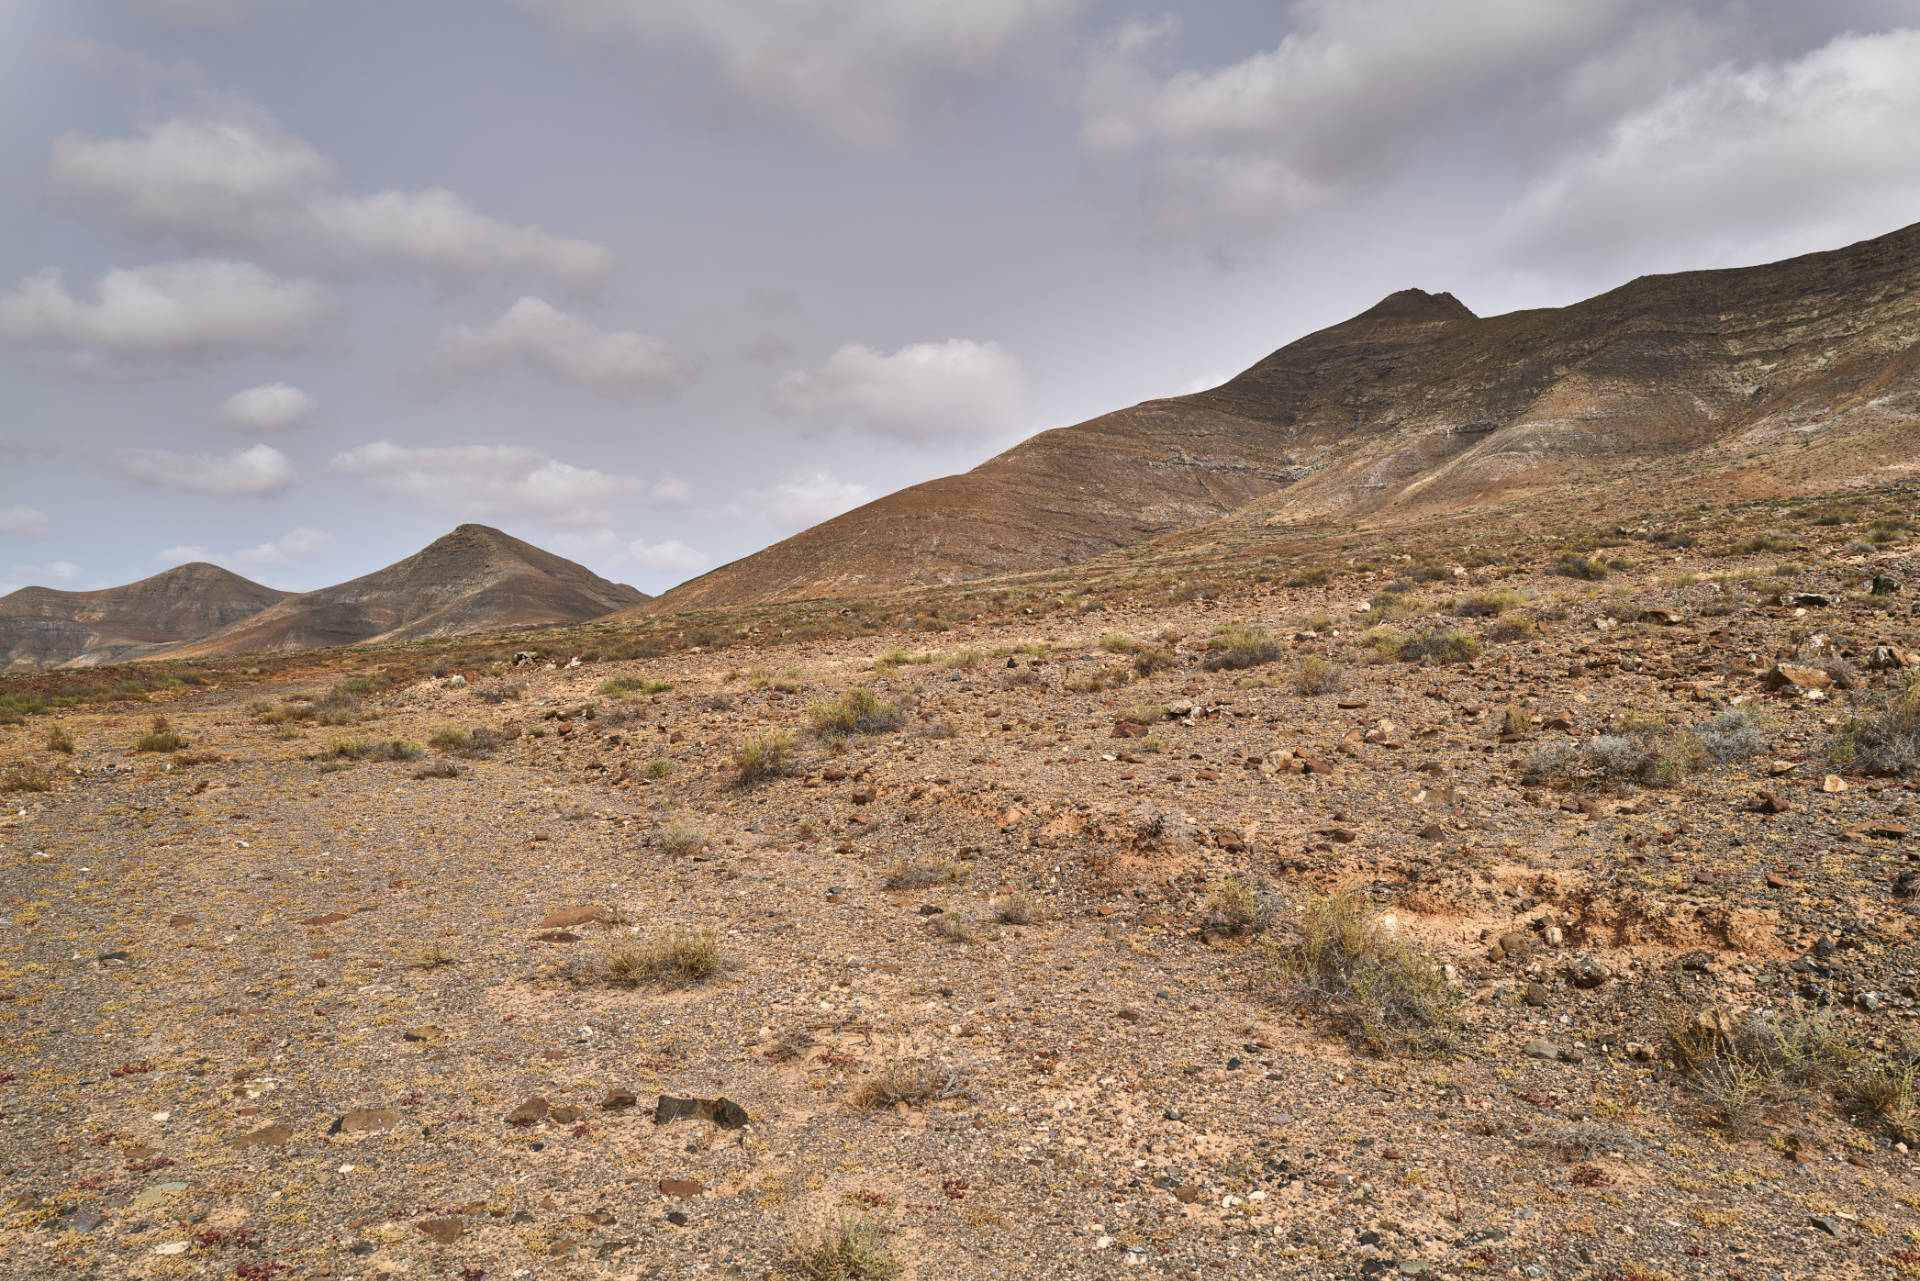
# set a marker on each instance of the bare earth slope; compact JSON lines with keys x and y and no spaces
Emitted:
{"x":42,"y":627}
{"x":1804,"y":372}
{"x":475,"y":579}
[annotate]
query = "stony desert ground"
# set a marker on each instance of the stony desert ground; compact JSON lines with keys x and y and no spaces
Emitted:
{"x":1543,"y":914}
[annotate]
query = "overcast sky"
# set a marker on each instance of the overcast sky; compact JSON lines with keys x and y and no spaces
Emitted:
{"x":298,"y":285}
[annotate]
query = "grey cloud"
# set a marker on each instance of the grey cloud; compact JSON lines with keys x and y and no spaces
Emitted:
{"x":920,"y":393}
{"x":268,"y":407}
{"x":23,"y":522}
{"x":1345,"y":99}
{"x":1738,"y":163}
{"x":805,"y":499}
{"x":535,"y":334}
{"x":280,"y":553}
{"x":497,"y":481}
{"x":225,"y":177}
{"x":193,"y":308}
{"x":251,"y":472}
{"x":855,"y":71}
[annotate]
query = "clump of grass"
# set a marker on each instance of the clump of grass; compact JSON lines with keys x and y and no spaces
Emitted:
{"x":1746,"y":1070}
{"x":1588,"y":568}
{"x":764,"y":756}
{"x":679,"y":839}
{"x":162,"y":738}
{"x":1317,"y":676}
{"x":1149,"y":659}
{"x":1488,"y":604}
{"x":848,"y":1248}
{"x":1885,"y":739}
{"x":1772,"y":541}
{"x":58,"y":740}
{"x":459,"y":740}
{"x":373,"y":749}
{"x":1884,"y":1093}
{"x":908,"y":1079}
{"x":901,"y":658}
{"x":502,"y":693}
{"x":1114,"y":643}
{"x":431,"y":957}
{"x":1341,"y":962}
{"x":673,"y":958}
{"x":964,"y":659}
{"x":657,"y":768}
{"x":1515,"y":719}
{"x":919,"y":872}
{"x":1015,"y":908}
{"x":859,"y":711}
{"x":1239,"y":645}
{"x":442,"y":768}
{"x":15,"y":708}
{"x":25,"y":776}
{"x":1437,"y":646}
{"x":621,"y":686}
{"x":1509,"y":628}
{"x":955,"y":927}
{"x":1242,"y":905}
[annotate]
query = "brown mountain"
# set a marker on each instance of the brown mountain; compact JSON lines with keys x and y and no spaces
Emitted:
{"x":475,"y":579}
{"x":42,"y":627}
{"x":1800,"y":374}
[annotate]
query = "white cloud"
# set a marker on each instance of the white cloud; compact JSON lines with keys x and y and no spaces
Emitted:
{"x":268,"y":407}
{"x":853,"y":69}
{"x":800,"y":501}
{"x":923,"y":392}
{"x":669,"y":557}
{"x":225,"y":177}
{"x":1742,"y":162}
{"x":1346,"y":98}
{"x":495,"y":481}
{"x":23,"y":522}
{"x":252,"y":472}
{"x":535,"y":334}
{"x":196,"y":307}
{"x":281,"y":553}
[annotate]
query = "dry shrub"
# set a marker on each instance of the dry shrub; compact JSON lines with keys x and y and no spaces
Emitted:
{"x":919,"y":872}
{"x":848,"y":1248}
{"x":1747,"y":1070}
{"x":1317,"y":676}
{"x":25,"y":776}
{"x":674,"y":958}
{"x":859,"y":711}
{"x":764,"y":756}
{"x":161,"y":739}
{"x":58,"y":740}
{"x":1239,"y":645}
{"x":1370,"y":983}
{"x":1016,"y":908}
{"x":909,"y":1079}
{"x":1885,"y":740}
{"x":1242,"y":905}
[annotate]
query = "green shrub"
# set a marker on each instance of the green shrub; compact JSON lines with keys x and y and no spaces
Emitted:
{"x":1437,"y":645}
{"x":161,"y":739}
{"x":620,"y":686}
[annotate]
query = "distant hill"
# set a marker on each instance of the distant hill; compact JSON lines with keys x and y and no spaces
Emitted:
{"x":1799,"y":375}
{"x":42,"y":627}
{"x":474,"y":579}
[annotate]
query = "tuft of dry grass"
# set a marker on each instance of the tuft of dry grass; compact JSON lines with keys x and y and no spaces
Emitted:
{"x":58,"y":740}
{"x":1343,"y":963}
{"x":678,"y":839}
{"x":673,"y":958}
{"x":858,"y":711}
{"x":1317,"y":676}
{"x":25,"y":776}
{"x":919,"y":872}
{"x":909,"y":1079}
{"x":1241,"y":905}
{"x":1239,"y":645}
{"x":763,"y":756}
{"x":1016,"y":908}
{"x":847,"y":1248}
{"x":431,"y":957}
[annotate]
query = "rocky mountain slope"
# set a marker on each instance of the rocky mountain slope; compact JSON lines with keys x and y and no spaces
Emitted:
{"x":43,"y":627}
{"x":474,"y":579}
{"x":1798,"y":374}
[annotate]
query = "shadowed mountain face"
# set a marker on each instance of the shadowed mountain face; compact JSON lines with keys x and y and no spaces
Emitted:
{"x":41,"y":627}
{"x":475,"y":579}
{"x":1803,"y":374}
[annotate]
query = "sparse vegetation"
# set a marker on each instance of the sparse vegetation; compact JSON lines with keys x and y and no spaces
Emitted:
{"x":25,"y":776}
{"x":58,"y":740}
{"x":764,"y":756}
{"x":919,"y":872}
{"x":847,"y":1248}
{"x":1344,"y":963}
{"x":1241,"y":905}
{"x":1317,"y":675}
{"x":1016,"y":908}
{"x":678,"y":839}
{"x":621,"y":686}
{"x":858,"y":711}
{"x":1886,"y":738}
{"x":673,"y":958}
{"x":1239,"y":645}
{"x":908,"y":1079}
{"x":372,"y":749}
{"x":160,"y":738}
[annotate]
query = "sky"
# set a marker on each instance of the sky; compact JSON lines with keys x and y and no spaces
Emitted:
{"x":296,"y":286}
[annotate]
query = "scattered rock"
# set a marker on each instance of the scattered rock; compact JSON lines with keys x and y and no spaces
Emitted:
{"x":1537,"y":1049}
{"x":529,"y":1112}
{"x":1783,"y":675}
{"x":378,"y":1121}
{"x":445,"y":1231}
{"x":617,"y":1099}
{"x":568,"y":917}
{"x":1588,"y":972}
{"x":271,"y":1136}
{"x":723,"y":1112}
{"x":680,"y":1187}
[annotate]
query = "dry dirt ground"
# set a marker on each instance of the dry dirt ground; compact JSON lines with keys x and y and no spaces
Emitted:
{"x":264,"y":1014}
